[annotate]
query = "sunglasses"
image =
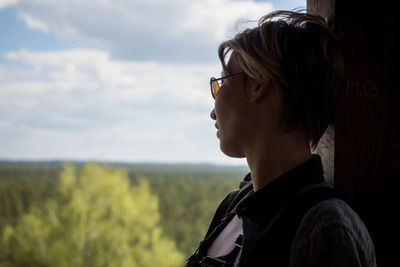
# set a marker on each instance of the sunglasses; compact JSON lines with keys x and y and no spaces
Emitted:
{"x":216,"y":84}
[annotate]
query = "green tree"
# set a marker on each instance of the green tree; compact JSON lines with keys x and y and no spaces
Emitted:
{"x":98,"y":219}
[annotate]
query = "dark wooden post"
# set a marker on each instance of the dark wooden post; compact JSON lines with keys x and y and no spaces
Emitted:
{"x":367,"y":135}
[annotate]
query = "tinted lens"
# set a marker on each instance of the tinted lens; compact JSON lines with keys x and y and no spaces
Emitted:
{"x":214,"y":87}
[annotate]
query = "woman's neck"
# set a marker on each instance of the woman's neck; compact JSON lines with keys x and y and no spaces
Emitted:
{"x":268,"y":161}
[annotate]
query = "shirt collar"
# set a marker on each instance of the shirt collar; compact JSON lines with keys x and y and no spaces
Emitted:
{"x":270,"y":198}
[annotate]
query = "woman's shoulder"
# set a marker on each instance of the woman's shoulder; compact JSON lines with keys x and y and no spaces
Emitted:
{"x":333,"y":229}
{"x":333,"y":211}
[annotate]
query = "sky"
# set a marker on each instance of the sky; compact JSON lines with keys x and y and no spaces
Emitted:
{"x":115,"y":80}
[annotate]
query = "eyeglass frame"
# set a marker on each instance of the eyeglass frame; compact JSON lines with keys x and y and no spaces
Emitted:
{"x":213,"y":79}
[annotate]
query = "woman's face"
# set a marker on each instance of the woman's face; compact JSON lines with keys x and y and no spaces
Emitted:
{"x":230,"y":113}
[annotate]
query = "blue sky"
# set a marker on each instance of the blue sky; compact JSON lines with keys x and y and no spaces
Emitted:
{"x":14,"y":34}
{"x":114,"y":80}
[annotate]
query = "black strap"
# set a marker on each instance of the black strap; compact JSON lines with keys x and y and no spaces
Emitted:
{"x":226,"y":260}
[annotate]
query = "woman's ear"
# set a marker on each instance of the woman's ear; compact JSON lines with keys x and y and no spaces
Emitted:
{"x":258,"y":90}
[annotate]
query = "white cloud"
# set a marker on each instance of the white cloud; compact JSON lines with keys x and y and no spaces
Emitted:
{"x":34,"y":23}
{"x":174,"y":30}
{"x":96,"y":77}
{"x":6,"y":3}
{"x":83,"y":104}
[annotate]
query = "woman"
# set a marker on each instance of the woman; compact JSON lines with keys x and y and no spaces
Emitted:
{"x":272,"y":105}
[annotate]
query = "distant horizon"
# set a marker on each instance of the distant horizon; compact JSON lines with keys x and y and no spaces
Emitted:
{"x":123,"y":162}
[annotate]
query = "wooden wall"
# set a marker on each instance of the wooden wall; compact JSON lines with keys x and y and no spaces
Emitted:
{"x":367,"y":135}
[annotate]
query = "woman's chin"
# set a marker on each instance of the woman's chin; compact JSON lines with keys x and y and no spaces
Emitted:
{"x":231,"y":151}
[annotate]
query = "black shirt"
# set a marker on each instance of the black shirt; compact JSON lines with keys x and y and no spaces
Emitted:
{"x":270,"y":213}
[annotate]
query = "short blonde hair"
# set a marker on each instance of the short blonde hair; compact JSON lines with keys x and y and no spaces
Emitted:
{"x":301,"y":56}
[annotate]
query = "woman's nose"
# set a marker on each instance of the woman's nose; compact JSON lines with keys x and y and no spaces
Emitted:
{"x":212,"y":115}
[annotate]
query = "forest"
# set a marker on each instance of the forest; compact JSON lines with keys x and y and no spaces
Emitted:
{"x":107,"y":214}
